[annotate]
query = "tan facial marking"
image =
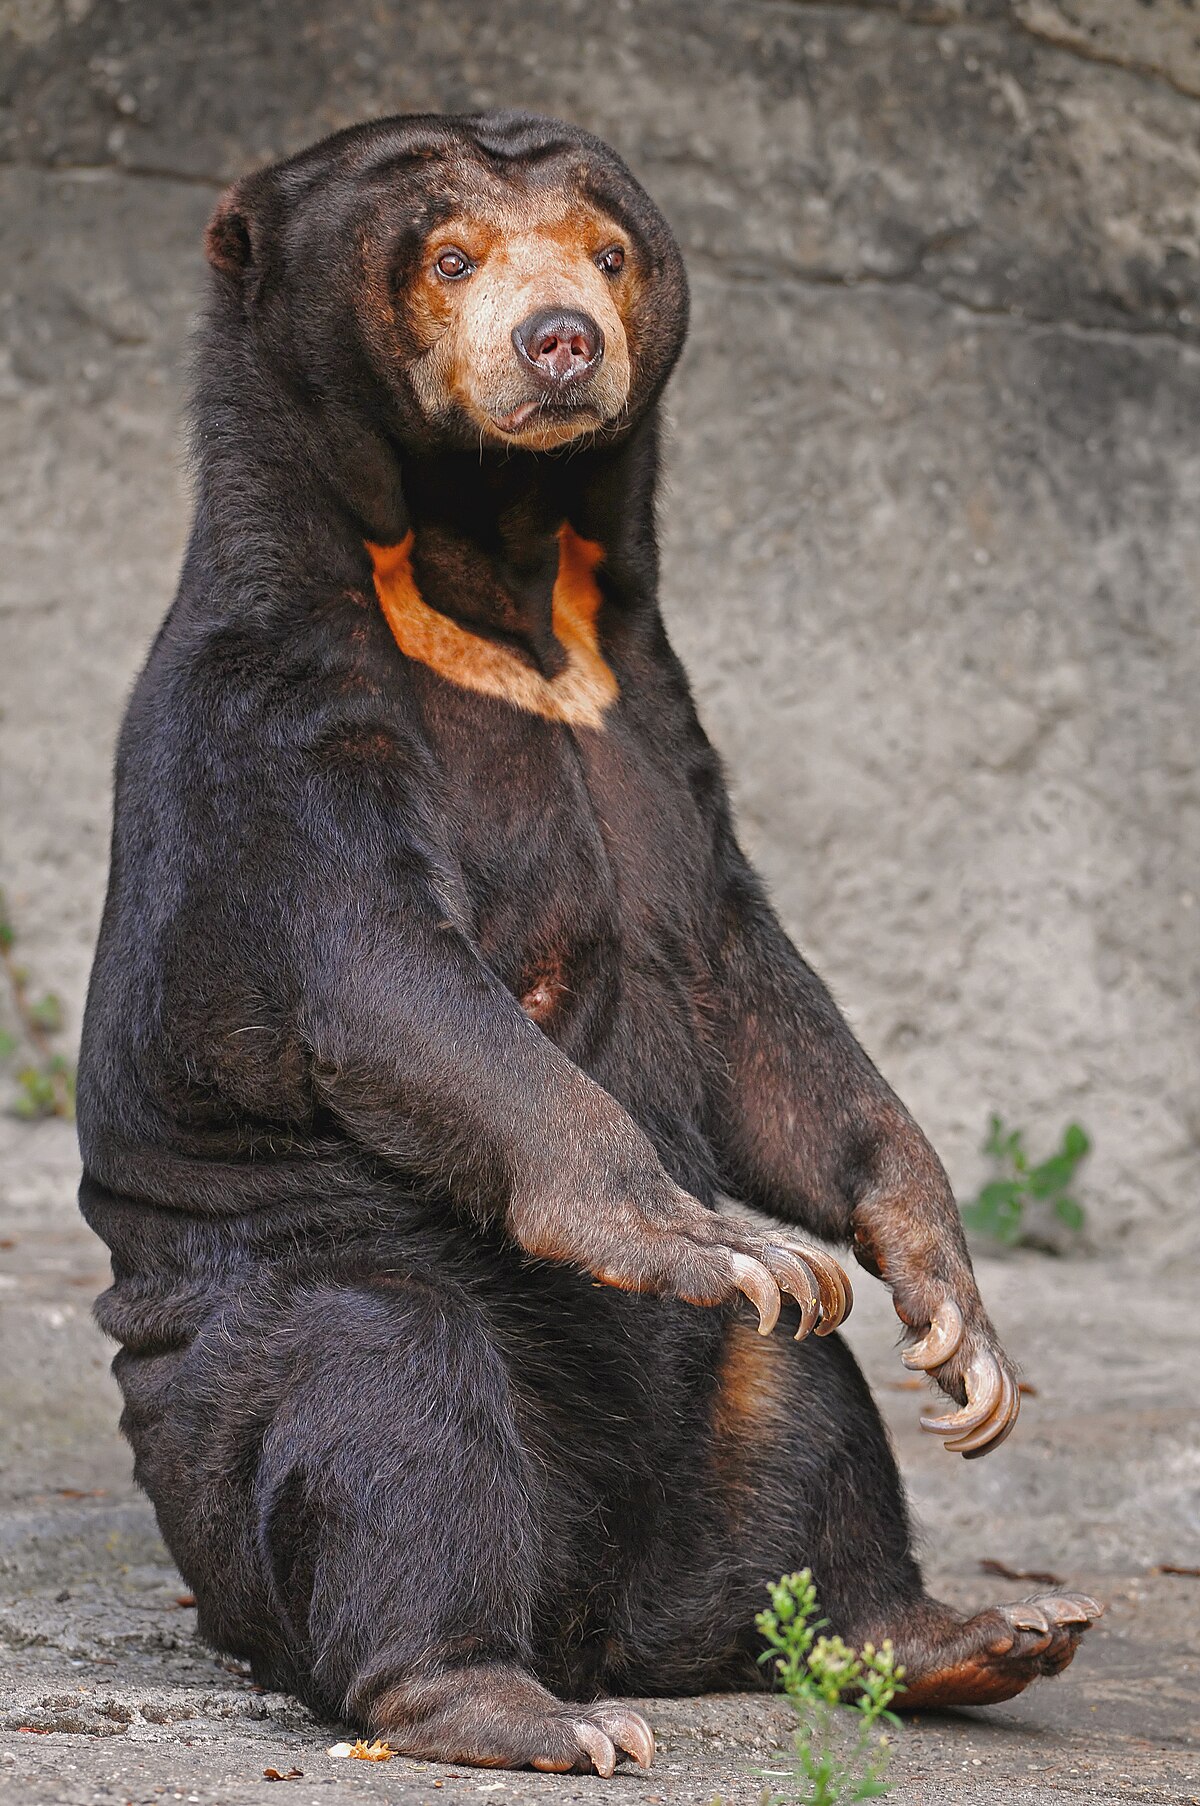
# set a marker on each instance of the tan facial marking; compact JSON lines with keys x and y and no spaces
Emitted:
{"x":521,"y":264}
{"x":578,"y":695}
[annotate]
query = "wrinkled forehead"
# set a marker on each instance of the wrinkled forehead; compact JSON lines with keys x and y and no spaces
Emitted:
{"x":508,"y":205}
{"x":443,"y":178}
{"x":513,"y":203}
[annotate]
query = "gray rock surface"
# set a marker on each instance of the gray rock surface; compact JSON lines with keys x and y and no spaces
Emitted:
{"x":932,"y":555}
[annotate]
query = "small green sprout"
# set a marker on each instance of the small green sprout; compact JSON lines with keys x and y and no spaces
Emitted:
{"x":45,"y":1079}
{"x":1020,"y":1190}
{"x":839,"y":1755}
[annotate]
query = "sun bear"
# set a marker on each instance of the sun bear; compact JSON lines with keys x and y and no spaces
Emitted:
{"x":437,"y":1017}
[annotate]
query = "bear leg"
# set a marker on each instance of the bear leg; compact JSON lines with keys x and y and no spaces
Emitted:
{"x":807,"y":1424}
{"x":342,"y":1474}
{"x":800,"y":1474}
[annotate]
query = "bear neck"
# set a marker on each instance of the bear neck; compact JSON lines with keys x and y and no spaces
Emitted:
{"x":486,"y":540}
{"x":292,"y":491}
{"x":485,"y":551}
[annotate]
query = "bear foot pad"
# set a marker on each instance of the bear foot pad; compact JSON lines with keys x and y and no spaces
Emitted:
{"x":995,"y":1655}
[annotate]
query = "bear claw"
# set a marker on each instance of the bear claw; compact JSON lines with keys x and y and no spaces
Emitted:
{"x":600,"y":1740}
{"x":1044,"y":1611}
{"x":940,"y":1340}
{"x":598,"y":1745}
{"x":612,"y":1732}
{"x":630,"y":1732}
{"x":1071,"y":1608}
{"x":812,"y":1278}
{"x":993,"y":1396}
{"x":1027,"y":1616}
{"x":753,"y":1280}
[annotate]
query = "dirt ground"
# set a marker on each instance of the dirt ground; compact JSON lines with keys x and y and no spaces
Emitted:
{"x":1100,"y":1486}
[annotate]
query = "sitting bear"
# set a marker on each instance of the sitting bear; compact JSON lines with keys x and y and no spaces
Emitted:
{"x":436,"y":1014}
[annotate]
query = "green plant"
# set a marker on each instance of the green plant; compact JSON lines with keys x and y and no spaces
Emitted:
{"x":1002,"y":1208}
{"x":45,"y":1079}
{"x":839,"y":1754}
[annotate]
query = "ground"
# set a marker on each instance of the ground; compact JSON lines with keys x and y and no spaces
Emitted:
{"x":1100,"y":1486}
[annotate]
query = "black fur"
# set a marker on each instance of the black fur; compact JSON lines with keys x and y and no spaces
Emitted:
{"x":384,"y":1440}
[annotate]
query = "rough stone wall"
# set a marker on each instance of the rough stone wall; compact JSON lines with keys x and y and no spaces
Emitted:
{"x":932,"y":536}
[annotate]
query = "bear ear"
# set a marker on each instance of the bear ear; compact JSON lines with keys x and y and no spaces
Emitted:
{"x":231,"y":242}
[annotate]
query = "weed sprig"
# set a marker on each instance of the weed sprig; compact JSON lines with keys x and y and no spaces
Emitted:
{"x":1007,"y":1207}
{"x":46,"y":1082}
{"x":829,"y":1683}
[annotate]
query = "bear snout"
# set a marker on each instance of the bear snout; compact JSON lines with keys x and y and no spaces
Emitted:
{"x":559,"y":345}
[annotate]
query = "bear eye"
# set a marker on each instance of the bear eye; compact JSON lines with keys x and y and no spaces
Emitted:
{"x":453,"y":264}
{"x":612,"y":260}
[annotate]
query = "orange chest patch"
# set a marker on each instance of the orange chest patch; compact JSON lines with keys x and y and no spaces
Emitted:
{"x":581,"y":691}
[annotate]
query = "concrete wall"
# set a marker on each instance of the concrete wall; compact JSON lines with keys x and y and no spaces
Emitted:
{"x":932,"y":536}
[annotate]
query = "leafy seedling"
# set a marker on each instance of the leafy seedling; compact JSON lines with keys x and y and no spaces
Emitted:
{"x":44,"y":1078}
{"x":840,"y":1695}
{"x":1016,"y":1205}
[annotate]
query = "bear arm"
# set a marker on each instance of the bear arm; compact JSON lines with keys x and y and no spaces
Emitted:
{"x":429,"y":1062}
{"x":808,"y":1131}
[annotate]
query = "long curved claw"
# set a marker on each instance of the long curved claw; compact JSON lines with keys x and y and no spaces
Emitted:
{"x":793,"y":1275}
{"x":986,"y":1446}
{"x":629,"y":1731}
{"x":940,"y":1340}
{"x":1070,"y":1608}
{"x":809,"y":1316}
{"x":752,"y":1278}
{"x":1027,"y":1615}
{"x":993,"y":1431}
{"x":837,"y":1298}
{"x":813,"y":1278}
{"x":598,"y":1745}
{"x":985,"y":1389}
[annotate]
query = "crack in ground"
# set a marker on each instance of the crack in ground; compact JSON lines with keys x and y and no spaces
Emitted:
{"x":782,"y":274}
{"x":943,"y":19}
{"x":142,"y":172}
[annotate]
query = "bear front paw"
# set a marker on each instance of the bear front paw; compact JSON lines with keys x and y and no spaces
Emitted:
{"x":710,"y":1259}
{"x":814,"y":1279}
{"x":966,"y":1363}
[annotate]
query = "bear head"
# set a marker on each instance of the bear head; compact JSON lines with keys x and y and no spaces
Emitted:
{"x":492,"y":281}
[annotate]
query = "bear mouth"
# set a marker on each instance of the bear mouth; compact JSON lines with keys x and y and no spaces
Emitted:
{"x":540,"y":412}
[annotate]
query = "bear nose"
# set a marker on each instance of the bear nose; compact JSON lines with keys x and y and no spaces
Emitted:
{"x":559,"y":344}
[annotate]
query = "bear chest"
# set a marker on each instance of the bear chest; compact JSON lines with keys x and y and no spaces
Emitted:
{"x":584,"y":856}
